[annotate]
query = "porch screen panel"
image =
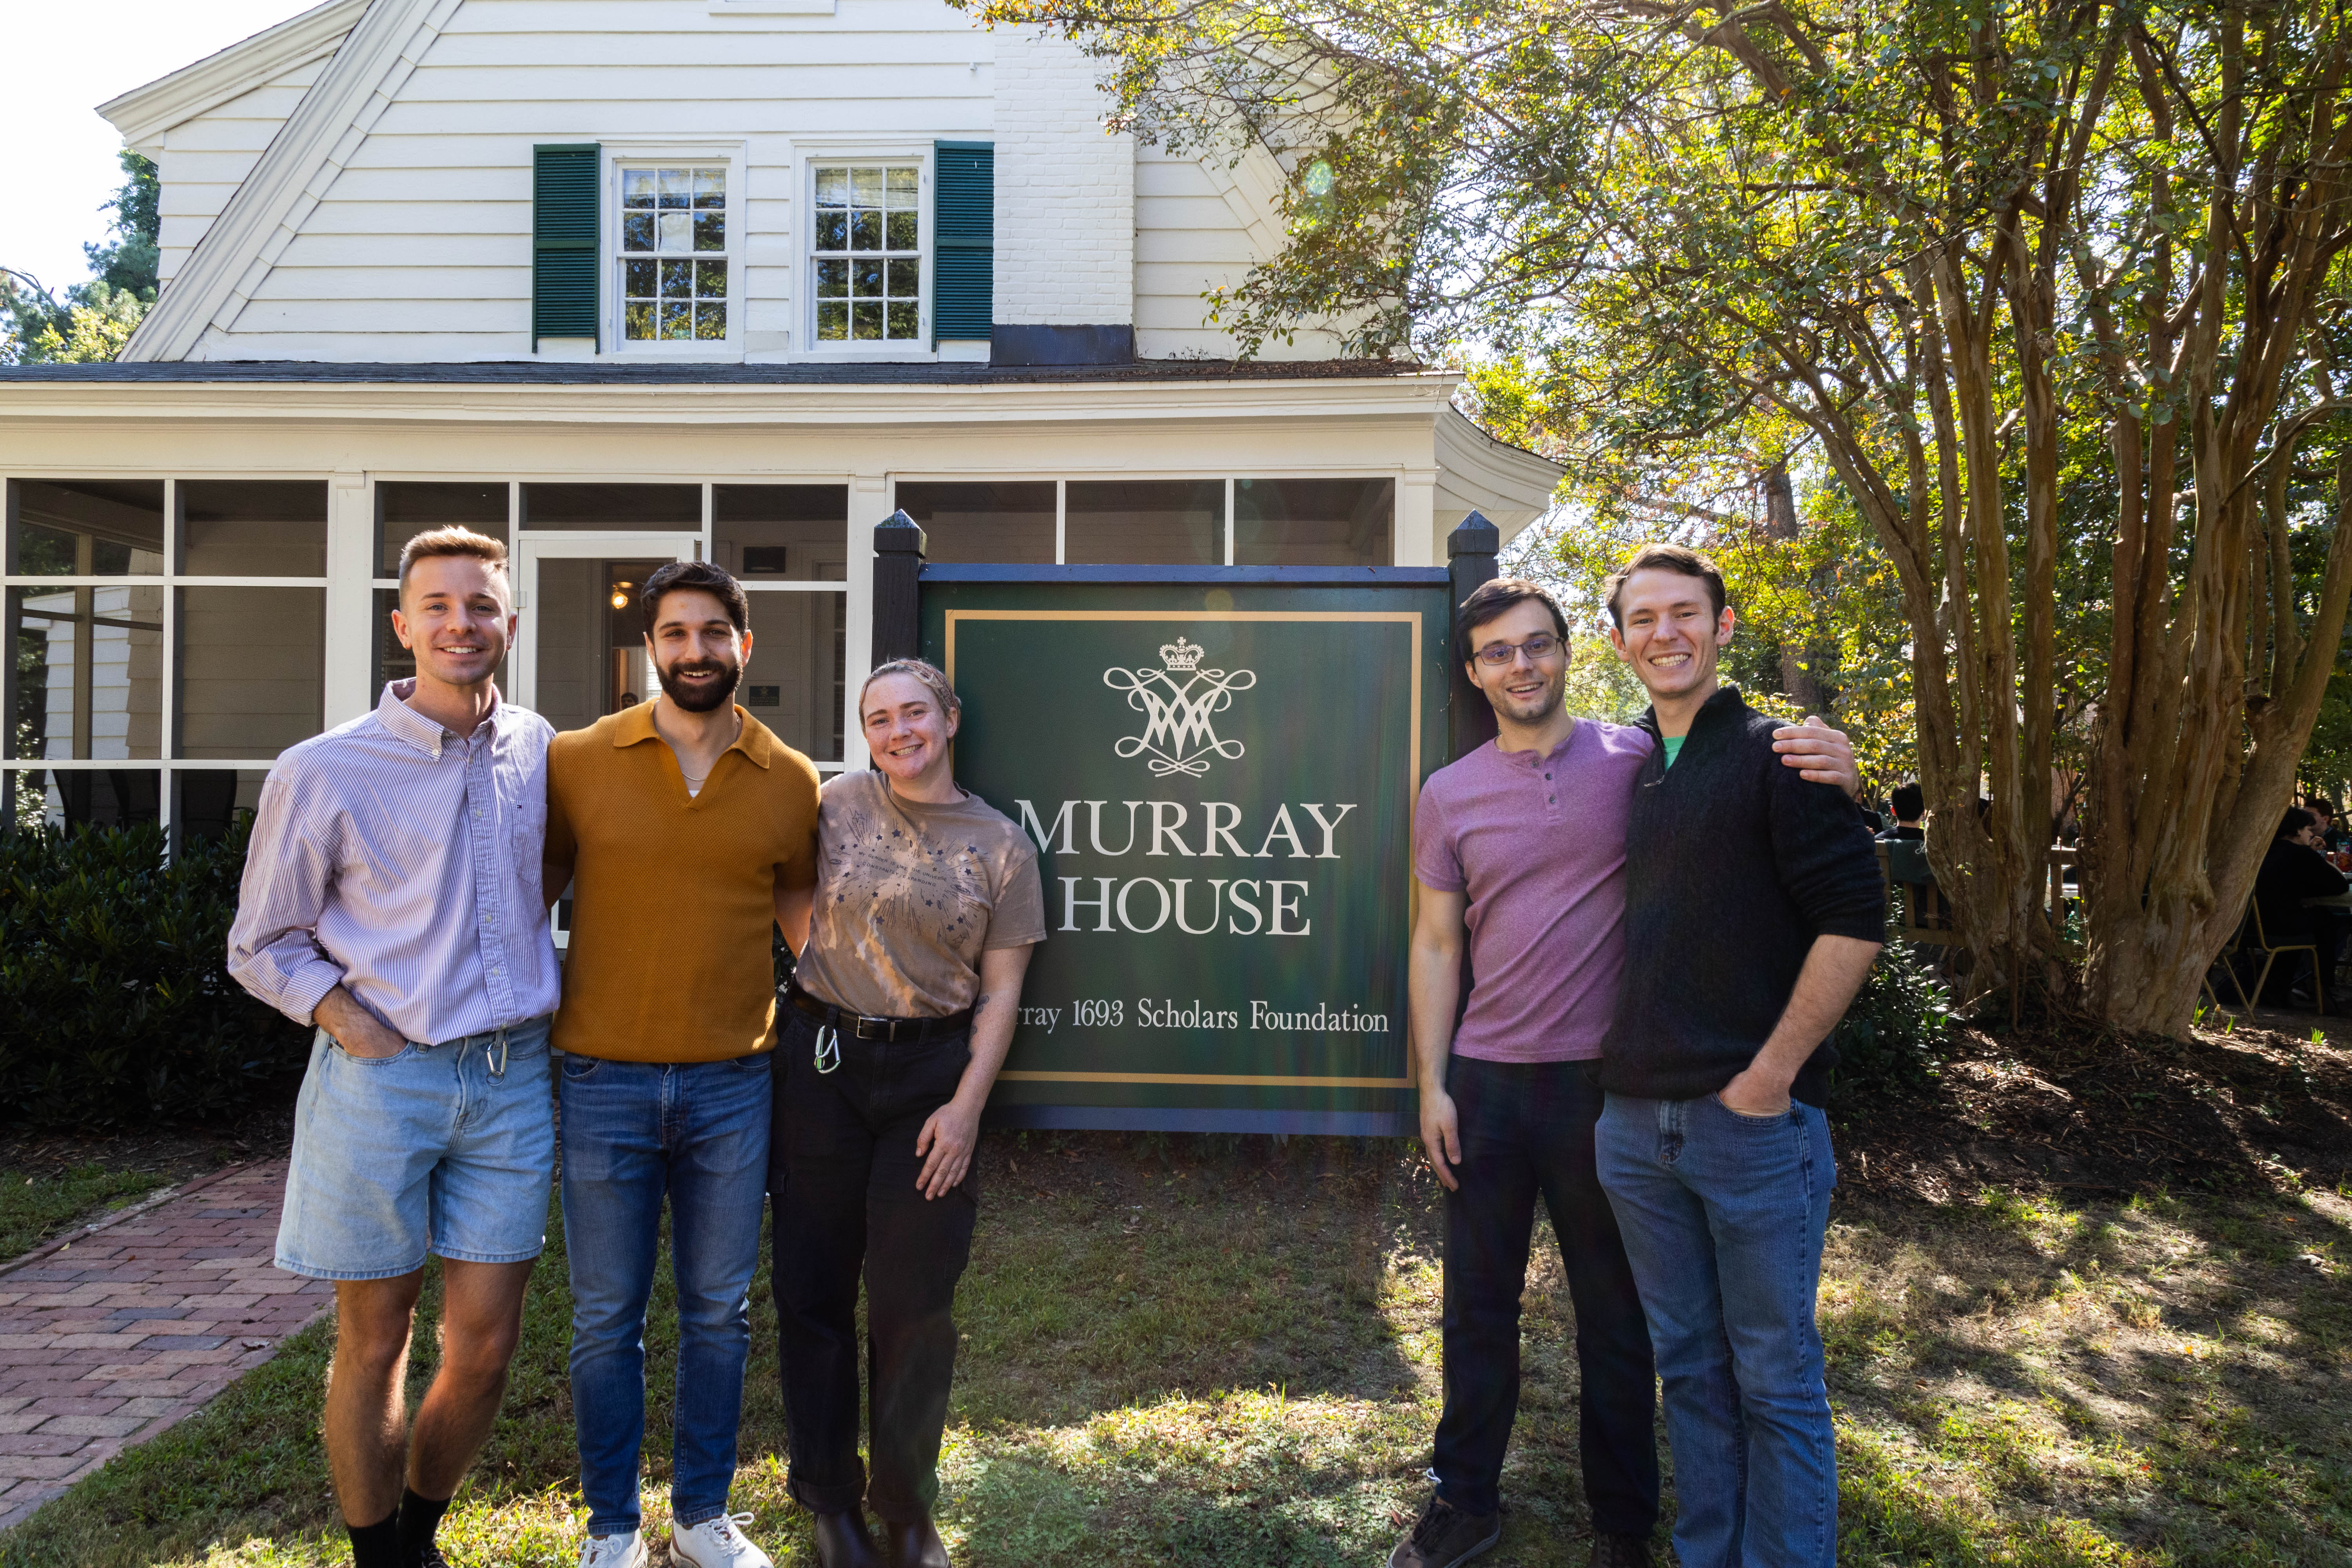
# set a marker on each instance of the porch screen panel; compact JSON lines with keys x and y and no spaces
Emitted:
{"x":564,"y":213}
{"x":963,"y":267}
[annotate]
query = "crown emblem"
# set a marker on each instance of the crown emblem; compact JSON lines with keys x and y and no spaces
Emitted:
{"x":1180,"y":654}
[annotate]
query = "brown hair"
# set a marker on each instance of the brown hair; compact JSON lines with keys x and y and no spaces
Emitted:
{"x":933,"y":678}
{"x":696,"y":577}
{"x":451,"y":540}
{"x":1679,"y":558}
{"x":1494,"y":597}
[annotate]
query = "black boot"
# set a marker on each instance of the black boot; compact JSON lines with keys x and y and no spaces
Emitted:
{"x":843,"y":1541}
{"x":1621,"y":1552}
{"x":913,"y":1545}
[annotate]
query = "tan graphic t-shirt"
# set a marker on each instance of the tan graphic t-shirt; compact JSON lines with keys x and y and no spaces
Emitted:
{"x":909,"y":896}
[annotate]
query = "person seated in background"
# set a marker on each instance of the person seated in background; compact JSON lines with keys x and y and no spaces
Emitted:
{"x":2294,"y":869}
{"x":2330,"y":835}
{"x":1910,"y":806}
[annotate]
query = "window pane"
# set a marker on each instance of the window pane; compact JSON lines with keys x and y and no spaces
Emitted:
{"x":902,"y":187}
{"x":709,"y":231}
{"x":637,"y":187}
{"x":677,"y":231}
{"x":865,"y":185}
{"x":253,"y":528}
{"x":88,"y":672}
{"x":902,"y":232}
{"x":866,"y":320}
{"x":709,"y":320}
{"x":206,"y":801}
{"x":676,"y":187}
{"x":711,"y":187}
{"x":668,"y":508}
{"x":1145,"y":522}
{"x":864,"y":231}
{"x":86,"y":797}
{"x":781,"y":533}
{"x":710,"y":279}
{"x":249,"y":669}
{"x":906,"y":279}
{"x":678,"y":279}
{"x":86,"y":528}
{"x":677,"y":318}
{"x":1313,"y":523}
{"x":833,"y":321}
{"x":832,"y":187}
{"x":405,"y":509}
{"x":833,"y":231}
{"x":1003,"y":521}
{"x":793,"y":683}
{"x":901,"y":323}
{"x":865,"y":280}
{"x":637,"y":231}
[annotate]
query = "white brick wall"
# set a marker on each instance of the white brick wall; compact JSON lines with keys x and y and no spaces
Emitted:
{"x":1065,"y":191}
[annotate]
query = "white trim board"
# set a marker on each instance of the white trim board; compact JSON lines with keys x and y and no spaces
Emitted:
{"x":144,"y":113}
{"x":301,"y":161}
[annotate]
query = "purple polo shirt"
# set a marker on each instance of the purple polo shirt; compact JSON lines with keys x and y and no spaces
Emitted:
{"x":1539,"y":844}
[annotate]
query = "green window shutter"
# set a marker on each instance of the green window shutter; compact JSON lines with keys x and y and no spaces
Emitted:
{"x":963,"y":239}
{"x":565,"y":180}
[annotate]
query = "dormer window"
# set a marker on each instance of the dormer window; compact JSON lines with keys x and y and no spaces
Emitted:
{"x":868,"y":253}
{"x":674,"y":254}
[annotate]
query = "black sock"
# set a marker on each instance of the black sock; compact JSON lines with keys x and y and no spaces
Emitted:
{"x":377,"y":1545}
{"x":419,"y":1518}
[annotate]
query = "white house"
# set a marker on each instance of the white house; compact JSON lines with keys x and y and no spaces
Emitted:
{"x":630,"y":280}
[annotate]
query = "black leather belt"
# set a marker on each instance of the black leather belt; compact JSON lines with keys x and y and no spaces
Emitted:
{"x":859,"y":1026}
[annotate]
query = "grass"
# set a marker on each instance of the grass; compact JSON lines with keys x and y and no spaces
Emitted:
{"x":33,"y":1209}
{"x":1212,"y":1351}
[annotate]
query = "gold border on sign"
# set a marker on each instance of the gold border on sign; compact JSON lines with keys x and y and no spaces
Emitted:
{"x":1411,"y":618}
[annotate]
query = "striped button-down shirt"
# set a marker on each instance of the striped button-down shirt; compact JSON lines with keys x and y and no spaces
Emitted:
{"x":402,"y":862}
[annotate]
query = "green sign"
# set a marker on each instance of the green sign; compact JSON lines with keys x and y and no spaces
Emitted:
{"x":1219,"y":772}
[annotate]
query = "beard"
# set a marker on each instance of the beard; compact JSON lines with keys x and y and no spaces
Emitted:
{"x":704,"y":699}
{"x":1532,"y":711}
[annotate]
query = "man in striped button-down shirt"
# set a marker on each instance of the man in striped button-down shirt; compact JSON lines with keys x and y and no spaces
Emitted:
{"x":392,"y":898}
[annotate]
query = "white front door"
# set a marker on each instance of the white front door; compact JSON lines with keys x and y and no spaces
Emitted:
{"x":580,"y":653}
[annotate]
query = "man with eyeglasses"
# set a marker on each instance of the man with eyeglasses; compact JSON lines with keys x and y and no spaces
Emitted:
{"x":1520,"y":853}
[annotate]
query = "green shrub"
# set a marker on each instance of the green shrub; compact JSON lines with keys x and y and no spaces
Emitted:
{"x":115,"y":1006}
{"x":1895,"y":1032}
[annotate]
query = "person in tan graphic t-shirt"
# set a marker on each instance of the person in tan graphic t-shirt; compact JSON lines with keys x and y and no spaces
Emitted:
{"x":911,"y":952}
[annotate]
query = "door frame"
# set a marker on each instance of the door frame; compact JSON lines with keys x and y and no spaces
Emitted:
{"x":574,"y":544}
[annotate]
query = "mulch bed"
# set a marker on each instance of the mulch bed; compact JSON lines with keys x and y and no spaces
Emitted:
{"x":2068,"y":1106}
{"x":174,"y":1150}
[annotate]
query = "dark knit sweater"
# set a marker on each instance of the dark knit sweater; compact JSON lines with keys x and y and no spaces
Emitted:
{"x":1734,"y":864}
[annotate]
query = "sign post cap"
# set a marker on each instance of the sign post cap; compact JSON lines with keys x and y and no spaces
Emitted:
{"x":899,"y":534}
{"x":1473,"y":535}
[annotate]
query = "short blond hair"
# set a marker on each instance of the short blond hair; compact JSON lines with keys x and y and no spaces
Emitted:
{"x":933,"y":678}
{"x":451,"y":540}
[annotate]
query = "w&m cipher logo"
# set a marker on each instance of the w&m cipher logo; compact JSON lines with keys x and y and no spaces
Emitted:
{"x":1177,"y":702}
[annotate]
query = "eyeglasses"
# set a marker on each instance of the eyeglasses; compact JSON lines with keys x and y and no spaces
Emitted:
{"x":1538,"y":648}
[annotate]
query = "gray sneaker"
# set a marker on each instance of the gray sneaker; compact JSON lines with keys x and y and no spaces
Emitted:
{"x":1443,"y":1536}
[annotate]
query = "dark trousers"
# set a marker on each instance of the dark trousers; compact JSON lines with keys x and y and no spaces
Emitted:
{"x":842,"y":1178}
{"x":1526,"y":1130}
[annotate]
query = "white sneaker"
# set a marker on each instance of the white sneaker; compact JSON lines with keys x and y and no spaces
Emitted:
{"x":613,"y":1552}
{"x":716,"y":1544}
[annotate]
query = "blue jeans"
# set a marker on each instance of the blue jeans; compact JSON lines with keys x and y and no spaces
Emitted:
{"x":1724,"y":1216}
{"x":633,"y":1132}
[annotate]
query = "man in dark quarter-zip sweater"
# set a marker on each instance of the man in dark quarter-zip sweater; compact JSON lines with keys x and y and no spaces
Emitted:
{"x":1753,"y":910}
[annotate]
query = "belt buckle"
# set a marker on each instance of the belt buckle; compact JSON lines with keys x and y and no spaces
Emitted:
{"x":871,"y":1028}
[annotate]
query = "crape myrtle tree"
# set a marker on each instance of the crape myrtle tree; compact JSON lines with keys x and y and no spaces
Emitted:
{"x":2029,"y":279}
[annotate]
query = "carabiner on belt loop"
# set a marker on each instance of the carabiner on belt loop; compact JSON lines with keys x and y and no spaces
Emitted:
{"x":499,"y":1069}
{"x":828,"y":1050}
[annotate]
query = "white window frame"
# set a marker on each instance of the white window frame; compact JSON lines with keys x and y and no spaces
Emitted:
{"x":807,"y":153}
{"x":620,"y":155}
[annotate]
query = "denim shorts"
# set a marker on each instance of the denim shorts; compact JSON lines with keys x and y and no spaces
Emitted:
{"x":448,"y":1148}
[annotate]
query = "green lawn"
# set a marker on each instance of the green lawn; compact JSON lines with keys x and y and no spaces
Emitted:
{"x":1220,"y":1352}
{"x":35,"y":1208}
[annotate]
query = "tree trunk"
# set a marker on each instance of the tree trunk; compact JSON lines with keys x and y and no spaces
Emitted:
{"x":1799,"y":681}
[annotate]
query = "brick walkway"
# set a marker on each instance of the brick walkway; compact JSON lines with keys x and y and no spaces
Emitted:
{"x":109,"y":1340}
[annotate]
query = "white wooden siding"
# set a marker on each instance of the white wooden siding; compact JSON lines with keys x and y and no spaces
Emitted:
{"x":419,"y":248}
{"x":205,"y":158}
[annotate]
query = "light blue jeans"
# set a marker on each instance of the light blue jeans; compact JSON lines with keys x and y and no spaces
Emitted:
{"x":634,"y":1132}
{"x":1724,"y":1216}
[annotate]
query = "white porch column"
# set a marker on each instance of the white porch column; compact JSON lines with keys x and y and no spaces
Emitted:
{"x":869,"y":503}
{"x":1417,"y":544}
{"x":351,"y":597}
